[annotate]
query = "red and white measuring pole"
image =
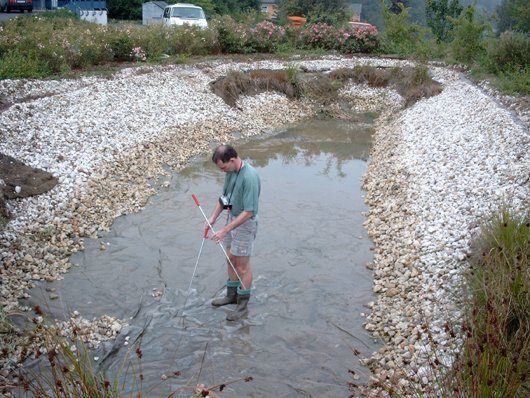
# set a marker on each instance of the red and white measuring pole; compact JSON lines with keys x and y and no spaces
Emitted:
{"x":196,"y":200}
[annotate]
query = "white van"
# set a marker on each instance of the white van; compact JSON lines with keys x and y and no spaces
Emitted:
{"x":183,"y":13}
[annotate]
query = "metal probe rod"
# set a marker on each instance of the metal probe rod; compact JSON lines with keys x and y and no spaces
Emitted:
{"x":195,"y":269}
{"x":196,"y":200}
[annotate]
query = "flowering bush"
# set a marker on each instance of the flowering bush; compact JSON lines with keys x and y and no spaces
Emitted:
{"x":319,"y":35}
{"x":266,"y":36}
{"x":138,"y":54}
{"x":192,"y":40}
{"x":362,"y":39}
{"x":232,"y":36}
{"x":350,"y":40}
{"x":121,"y":45}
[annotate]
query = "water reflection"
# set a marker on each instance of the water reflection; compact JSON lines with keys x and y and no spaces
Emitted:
{"x":319,"y":138}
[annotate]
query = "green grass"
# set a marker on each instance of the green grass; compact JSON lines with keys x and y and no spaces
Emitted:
{"x":514,"y":82}
{"x":495,"y":359}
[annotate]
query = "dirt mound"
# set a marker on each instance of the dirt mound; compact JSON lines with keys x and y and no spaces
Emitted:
{"x":20,"y":181}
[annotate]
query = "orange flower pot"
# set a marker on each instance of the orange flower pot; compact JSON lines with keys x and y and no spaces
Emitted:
{"x":297,"y":21}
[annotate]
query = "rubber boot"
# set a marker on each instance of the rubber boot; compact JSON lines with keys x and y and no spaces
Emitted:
{"x":231,"y":294}
{"x":241,"y":310}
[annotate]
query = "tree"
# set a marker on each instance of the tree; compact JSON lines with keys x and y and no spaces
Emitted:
{"x":394,"y":5}
{"x":468,"y":44}
{"x":371,"y":12}
{"x":514,"y":15}
{"x":125,"y":9}
{"x":438,"y":14}
{"x":329,"y":11}
{"x":223,"y":7}
{"x":399,"y":36}
{"x":417,"y":11}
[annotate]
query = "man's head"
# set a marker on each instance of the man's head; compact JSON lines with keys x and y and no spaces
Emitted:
{"x":226,"y":158}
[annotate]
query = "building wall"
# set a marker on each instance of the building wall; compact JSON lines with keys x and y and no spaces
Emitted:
{"x":270,"y":9}
{"x":39,"y":4}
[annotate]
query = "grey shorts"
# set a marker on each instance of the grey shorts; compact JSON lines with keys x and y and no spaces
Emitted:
{"x":240,"y":241}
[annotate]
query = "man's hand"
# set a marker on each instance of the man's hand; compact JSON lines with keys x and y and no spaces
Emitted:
{"x":219,"y":235}
{"x":207,"y":226}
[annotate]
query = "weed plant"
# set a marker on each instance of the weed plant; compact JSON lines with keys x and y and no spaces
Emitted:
{"x":67,"y":370}
{"x":495,"y":358}
{"x":412,"y":83}
{"x":236,"y":83}
{"x":515,"y":81}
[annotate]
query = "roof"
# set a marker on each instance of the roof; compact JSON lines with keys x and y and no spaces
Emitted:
{"x":158,"y":3}
{"x":183,"y":5}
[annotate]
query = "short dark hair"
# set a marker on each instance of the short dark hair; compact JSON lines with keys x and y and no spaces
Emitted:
{"x":224,"y":153}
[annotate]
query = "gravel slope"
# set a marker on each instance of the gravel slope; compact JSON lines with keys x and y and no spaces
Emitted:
{"x":438,"y":172}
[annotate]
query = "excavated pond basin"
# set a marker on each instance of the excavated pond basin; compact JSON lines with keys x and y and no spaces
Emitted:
{"x":310,"y":280}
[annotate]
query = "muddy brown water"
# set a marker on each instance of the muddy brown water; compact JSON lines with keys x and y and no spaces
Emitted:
{"x":310,"y":279}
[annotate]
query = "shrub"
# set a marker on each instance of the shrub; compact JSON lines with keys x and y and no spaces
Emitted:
{"x":15,"y":65}
{"x":431,"y":49}
{"x":193,"y":40}
{"x":319,"y":35}
{"x":121,"y":45}
{"x":511,"y":52}
{"x":154,"y":40}
{"x":266,"y":37}
{"x":94,"y":46}
{"x":358,"y":40}
{"x":468,"y":44}
{"x":515,"y":81}
{"x":400,"y":36}
{"x":232,"y":36}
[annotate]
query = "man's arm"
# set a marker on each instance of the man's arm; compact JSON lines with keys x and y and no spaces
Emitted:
{"x":215,"y":213}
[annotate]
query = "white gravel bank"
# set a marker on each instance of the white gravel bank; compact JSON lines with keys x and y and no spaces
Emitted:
{"x":437,"y":169}
{"x":438,"y":172}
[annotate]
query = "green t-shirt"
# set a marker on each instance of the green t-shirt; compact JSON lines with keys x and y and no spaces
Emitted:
{"x":243,"y":190}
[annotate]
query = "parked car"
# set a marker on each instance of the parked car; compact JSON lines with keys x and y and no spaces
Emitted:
{"x":184,"y":13}
{"x":20,"y":5}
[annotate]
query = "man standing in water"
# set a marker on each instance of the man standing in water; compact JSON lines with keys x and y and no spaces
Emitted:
{"x":240,"y":199}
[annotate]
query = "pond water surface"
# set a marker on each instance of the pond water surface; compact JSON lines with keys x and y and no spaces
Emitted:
{"x":310,"y":279}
